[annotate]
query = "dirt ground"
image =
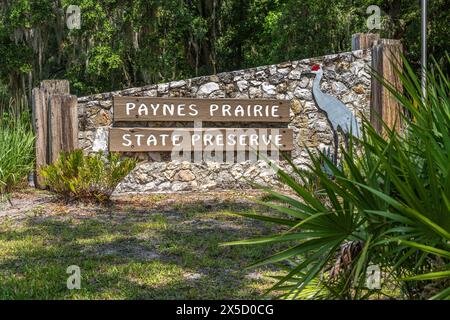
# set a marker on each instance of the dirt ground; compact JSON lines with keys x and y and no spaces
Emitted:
{"x":32,"y":201}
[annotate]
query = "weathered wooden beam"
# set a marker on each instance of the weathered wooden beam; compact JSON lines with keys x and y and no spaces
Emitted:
{"x":41,"y":122}
{"x":40,"y":125}
{"x":70,"y":122}
{"x":386,"y":58}
{"x":63,"y":125}
{"x":225,"y":139}
{"x":197,"y":109}
{"x":362,"y":41}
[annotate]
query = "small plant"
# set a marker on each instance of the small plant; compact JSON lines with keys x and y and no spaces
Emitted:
{"x":87,"y":178}
{"x":16,"y":145}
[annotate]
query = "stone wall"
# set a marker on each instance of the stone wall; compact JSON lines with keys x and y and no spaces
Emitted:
{"x":346,"y":76}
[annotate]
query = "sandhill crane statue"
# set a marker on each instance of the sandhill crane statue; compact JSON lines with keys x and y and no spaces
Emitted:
{"x":339,"y":116}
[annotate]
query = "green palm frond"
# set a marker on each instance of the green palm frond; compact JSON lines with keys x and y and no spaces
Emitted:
{"x":387,"y":203}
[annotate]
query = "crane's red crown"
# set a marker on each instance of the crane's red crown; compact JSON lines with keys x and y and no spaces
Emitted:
{"x":315,"y":67}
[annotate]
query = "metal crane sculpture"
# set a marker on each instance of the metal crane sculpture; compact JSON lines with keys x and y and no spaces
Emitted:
{"x":339,"y":116}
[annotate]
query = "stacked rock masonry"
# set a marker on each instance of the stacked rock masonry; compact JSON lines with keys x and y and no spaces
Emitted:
{"x":346,"y":76}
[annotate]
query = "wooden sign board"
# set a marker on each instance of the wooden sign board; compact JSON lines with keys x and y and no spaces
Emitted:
{"x":227,"y":139}
{"x":194,"y":109}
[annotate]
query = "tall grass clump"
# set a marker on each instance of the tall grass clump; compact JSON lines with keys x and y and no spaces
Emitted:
{"x":387,"y":205}
{"x":16,"y":144}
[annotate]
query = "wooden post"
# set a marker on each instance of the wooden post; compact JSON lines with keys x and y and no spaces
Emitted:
{"x":54,"y":120}
{"x":63,"y":125}
{"x":386,"y":58}
{"x":362,"y":41}
{"x":40,"y":125}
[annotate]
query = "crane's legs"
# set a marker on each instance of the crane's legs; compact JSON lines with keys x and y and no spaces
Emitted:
{"x":336,"y":147}
{"x":346,"y":142}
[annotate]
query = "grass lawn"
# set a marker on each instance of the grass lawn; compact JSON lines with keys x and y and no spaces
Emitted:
{"x":141,"y":247}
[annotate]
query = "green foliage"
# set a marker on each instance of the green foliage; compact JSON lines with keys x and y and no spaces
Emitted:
{"x":16,"y":144}
{"x":132,"y":43}
{"x":87,"y":178}
{"x":388,"y":205}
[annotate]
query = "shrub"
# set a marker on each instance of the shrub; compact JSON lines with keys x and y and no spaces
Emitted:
{"x":88,"y":178}
{"x":388,"y":205}
{"x":16,"y":145}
